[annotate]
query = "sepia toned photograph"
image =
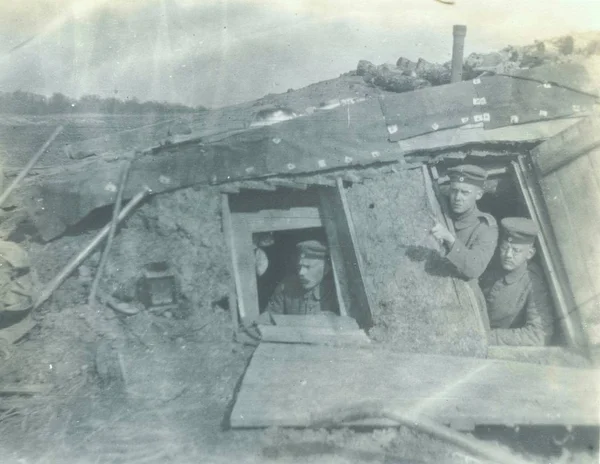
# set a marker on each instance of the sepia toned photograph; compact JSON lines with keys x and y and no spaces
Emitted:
{"x":299,"y":232}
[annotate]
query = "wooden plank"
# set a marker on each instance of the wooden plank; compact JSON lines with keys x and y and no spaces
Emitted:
{"x":228,"y":188}
{"x":312,"y":335}
{"x":26,"y":390}
{"x":582,"y":195}
{"x":567,"y":145}
{"x":564,"y":229}
{"x":549,"y":355}
{"x":345,"y":257}
{"x":244,"y":261}
{"x":338,"y":291}
{"x":278,"y":219}
{"x":287,"y":183}
{"x":255,"y":185}
{"x":461,"y":136}
{"x":550,"y":259}
{"x":290,"y":384}
{"x":315,"y":320}
{"x":234,"y":271}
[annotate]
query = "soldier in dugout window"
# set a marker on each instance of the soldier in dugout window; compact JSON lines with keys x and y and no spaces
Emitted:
{"x":472,"y":246}
{"x":310,"y":290}
{"x":517,"y":298}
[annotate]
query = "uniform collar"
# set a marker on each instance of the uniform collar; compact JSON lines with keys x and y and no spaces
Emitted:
{"x":513,"y":276}
{"x":466,"y":219}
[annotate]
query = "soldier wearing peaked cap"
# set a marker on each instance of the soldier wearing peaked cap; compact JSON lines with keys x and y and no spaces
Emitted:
{"x":310,"y":290}
{"x":517,"y":298}
{"x":473,"y":246}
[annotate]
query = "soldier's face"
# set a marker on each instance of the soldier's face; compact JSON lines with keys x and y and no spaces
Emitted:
{"x":513,"y":256}
{"x":310,"y":272}
{"x":463,"y":197}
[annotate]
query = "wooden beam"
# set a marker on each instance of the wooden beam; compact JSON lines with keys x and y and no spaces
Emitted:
{"x":549,"y":255}
{"x":345,"y":255}
{"x":580,"y":138}
{"x":235,"y":279}
{"x":26,"y":389}
{"x":267,"y":220}
{"x":287,"y":183}
{"x":246,"y":286}
{"x":255,"y":185}
{"x":315,"y":320}
{"x":312,"y":335}
{"x":228,"y":188}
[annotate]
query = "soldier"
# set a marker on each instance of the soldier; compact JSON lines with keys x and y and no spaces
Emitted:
{"x":471,"y":250}
{"x":16,"y":286}
{"x":310,"y":290}
{"x":518,"y":302}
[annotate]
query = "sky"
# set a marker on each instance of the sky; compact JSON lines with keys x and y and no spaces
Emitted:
{"x":217,"y":53}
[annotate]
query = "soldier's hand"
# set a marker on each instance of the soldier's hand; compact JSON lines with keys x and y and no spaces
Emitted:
{"x":442,"y":234}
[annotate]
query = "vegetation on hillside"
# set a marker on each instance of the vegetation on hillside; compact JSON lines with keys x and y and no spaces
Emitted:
{"x":19,"y":102}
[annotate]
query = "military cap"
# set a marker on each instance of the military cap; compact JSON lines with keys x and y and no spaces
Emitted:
{"x":14,"y":255}
{"x":312,"y":249}
{"x":519,"y":230}
{"x":469,"y":174}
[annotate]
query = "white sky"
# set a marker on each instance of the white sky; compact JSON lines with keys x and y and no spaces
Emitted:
{"x":222,"y":52}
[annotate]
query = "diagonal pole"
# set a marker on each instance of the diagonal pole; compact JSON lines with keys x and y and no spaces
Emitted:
{"x":77,"y":260}
{"x":29,"y":165}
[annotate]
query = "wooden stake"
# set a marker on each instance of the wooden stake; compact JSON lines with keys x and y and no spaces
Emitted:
{"x":111,"y":231}
{"x":29,"y":165}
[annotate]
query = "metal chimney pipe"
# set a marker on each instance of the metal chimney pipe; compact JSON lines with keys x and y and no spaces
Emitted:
{"x":458,"y":49}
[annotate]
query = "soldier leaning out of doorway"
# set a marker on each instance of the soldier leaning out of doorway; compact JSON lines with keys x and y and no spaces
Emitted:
{"x":16,"y":285}
{"x":472,"y":247}
{"x":310,"y":290}
{"x":517,"y":297}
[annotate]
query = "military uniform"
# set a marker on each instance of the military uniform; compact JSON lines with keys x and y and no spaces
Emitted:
{"x":290,"y":298}
{"x":518,"y":303}
{"x":476,"y":233}
{"x":476,"y":240}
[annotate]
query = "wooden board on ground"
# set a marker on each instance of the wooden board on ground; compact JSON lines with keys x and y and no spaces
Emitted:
{"x":289,"y":385}
{"x":315,"y":320}
{"x":312,"y":335}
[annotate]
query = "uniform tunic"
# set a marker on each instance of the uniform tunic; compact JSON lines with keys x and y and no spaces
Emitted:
{"x":519,"y":306}
{"x":475,"y":244}
{"x":290,"y":298}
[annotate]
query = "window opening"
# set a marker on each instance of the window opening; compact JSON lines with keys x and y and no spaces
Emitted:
{"x":503,"y":197}
{"x":263,"y":229}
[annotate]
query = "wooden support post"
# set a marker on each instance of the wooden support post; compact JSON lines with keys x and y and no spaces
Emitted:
{"x":233,"y":269}
{"x":572,"y":336}
{"x":111,"y":232}
{"x":345,"y":254}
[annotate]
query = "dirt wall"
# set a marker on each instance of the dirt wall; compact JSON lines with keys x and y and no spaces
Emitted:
{"x":183,"y":229}
{"x":415,"y":304}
